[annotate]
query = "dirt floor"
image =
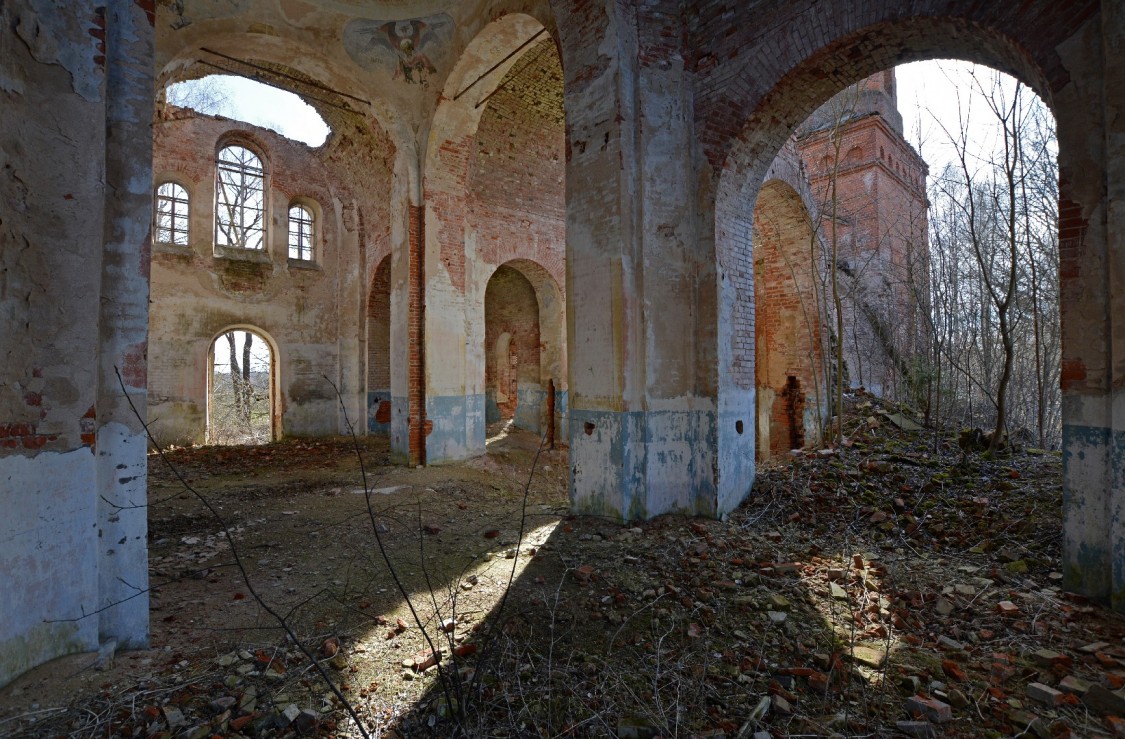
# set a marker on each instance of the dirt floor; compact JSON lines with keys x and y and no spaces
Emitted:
{"x":895,"y":586}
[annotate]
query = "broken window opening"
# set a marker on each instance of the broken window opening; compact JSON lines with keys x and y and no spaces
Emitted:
{"x":300,"y":233}
{"x":253,"y":102}
{"x":794,"y":409}
{"x":170,"y":216}
{"x":240,"y":199}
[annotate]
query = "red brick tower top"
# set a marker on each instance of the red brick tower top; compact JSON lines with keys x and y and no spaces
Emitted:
{"x":870,"y":185}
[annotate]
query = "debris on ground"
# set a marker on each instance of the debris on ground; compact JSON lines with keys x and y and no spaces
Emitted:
{"x":897,"y":585}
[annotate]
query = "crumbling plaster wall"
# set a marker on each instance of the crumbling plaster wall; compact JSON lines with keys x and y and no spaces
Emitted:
{"x":483,"y":207}
{"x":515,"y":215}
{"x":308,"y":309}
{"x":74,"y":197}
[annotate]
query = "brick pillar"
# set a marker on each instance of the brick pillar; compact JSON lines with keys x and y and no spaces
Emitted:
{"x":1092,"y":285}
{"x":640,"y":279}
{"x":416,"y":396}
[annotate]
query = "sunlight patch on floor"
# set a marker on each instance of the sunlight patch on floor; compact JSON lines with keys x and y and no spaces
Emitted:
{"x":505,"y":429}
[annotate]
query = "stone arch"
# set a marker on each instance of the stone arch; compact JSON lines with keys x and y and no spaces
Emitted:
{"x":547,"y":349}
{"x":1032,"y":48}
{"x":273,"y":383}
{"x":789,"y":357}
{"x":470,"y":232}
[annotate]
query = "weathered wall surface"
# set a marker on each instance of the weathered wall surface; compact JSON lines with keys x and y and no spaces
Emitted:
{"x":674,"y":112}
{"x":306,"y":309}
{"x":495,"y":195}
{"x":379,"y":350}
{"x":511,"y":341}
{"x":75,"y":96}
{"x":516,"y":211}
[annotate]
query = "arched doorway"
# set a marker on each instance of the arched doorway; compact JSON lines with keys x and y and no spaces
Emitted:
{"x":524,"y":347}
{"x":511,"y":340}
{"x":379,"y":351}
{"x":240,"y":388}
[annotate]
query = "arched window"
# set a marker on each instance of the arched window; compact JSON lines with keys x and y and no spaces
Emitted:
{"x":300,"y":233}
{"x":240,"y":204}
{"x":170,"y":217}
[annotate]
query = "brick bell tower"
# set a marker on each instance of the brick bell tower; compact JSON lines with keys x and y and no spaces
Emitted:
{"x":870,"y":185}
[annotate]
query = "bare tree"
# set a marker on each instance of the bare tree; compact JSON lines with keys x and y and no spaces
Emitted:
{"x":994,"y":247}
{"x":239,"y":199}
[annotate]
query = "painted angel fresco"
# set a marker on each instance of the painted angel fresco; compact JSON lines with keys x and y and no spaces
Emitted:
{"x":413,"y":49}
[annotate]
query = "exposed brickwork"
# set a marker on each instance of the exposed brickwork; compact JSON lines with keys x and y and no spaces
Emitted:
{"x":788,"y":316}
{"x":301,"y":307}
{"x":864,"y":173}
{"x":796,"y":55}
{"x":379,"y":328}
{"x":516,"y":176}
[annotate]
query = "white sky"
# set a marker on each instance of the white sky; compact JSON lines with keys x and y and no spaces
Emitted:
{"x":935,"y":96}
{"x":259,"y":352}
{"x":253,"y":102}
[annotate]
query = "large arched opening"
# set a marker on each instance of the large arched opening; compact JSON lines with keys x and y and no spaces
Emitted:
{"x":795,"y":92}
{"x":241,"y":387}
{"x":523,"y":347}
{"x":379,"y":350}
{"x":495,"y":187}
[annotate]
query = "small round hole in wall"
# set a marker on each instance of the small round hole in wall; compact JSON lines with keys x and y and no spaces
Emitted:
{"x":738,"y":426}
{"x":589,"y":428}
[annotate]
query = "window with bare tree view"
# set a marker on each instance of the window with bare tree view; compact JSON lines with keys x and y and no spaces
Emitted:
{"x":300,"y":233}
{"x":170,"y":221}
{"x":239,"y":199}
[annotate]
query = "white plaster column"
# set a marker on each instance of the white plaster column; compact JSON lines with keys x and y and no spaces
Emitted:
{"x":121,"y":447}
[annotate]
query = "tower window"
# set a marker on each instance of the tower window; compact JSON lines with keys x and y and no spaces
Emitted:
{"x":240,"y":199}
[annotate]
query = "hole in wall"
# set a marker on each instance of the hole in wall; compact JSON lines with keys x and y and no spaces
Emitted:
{"x":589,"y":428}
{"x":738,"y":426}
{"x":253,"y":102}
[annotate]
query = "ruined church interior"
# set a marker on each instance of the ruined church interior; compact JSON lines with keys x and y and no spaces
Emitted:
{"x":578,"y":220}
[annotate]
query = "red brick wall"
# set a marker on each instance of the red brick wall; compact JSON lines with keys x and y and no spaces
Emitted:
{"x":880,"y":208}
{"x":787,"y":325}
{"x":379,"y":328}
{"x":516,"y":170}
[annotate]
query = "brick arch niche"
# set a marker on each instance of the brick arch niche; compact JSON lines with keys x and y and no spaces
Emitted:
{"x":788,"y":353}
{"x":524,"y":345}
{"x":1060,"y":57}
